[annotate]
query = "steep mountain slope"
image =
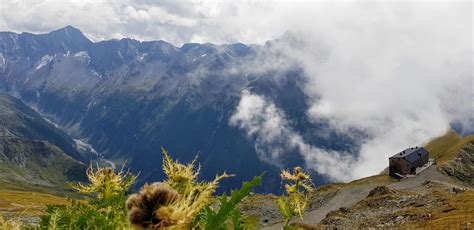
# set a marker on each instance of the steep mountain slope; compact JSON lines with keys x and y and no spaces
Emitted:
{"x":129,"y":98}
{"x":456,"y":155}
{"x":462,"y":167}
{"x":18,"y":120}
{"x":34,"y":170}
{"x":446,"y":147}
{"x":32,"y":151}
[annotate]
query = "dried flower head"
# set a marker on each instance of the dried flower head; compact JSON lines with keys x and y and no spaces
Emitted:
{"x":297,"y":170}
{"x":145,"y":208}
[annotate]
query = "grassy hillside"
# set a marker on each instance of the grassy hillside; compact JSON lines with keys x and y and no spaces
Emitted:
{"x":33,"y":174}
{"x":37,"y":163}
{"x":22,"y":207}
{"x":446,"y":147}
{"x":33,"y":151}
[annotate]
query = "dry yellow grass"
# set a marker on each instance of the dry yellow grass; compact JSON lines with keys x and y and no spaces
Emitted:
{"x":446,"y":147}
{"x":9,"y":225}
{"x":21,"y":203}
{"x":457,"y":212}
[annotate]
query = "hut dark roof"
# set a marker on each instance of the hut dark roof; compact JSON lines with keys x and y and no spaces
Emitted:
{"x":411,"y":154}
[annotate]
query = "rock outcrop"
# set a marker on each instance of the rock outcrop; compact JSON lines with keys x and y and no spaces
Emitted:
{"x":462,"y":166}
{"x":379,"y":191}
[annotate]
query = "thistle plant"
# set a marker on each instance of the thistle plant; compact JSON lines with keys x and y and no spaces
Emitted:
{"x":298,"y":187}
{"x":177,"y":201}
{"x":145,"y":208}
{"x":105,"y":183}
{"x":104,"y":210}
{"x":182,"y":202}
{"x":10,"y":224}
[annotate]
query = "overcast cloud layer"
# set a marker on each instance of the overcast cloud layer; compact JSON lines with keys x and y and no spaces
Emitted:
{"x":400,"y":71}
{"x":177,"y":22}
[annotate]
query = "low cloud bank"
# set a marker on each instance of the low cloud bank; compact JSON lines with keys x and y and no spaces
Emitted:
{"x":262,"y":120}
{"x":400,"y":73}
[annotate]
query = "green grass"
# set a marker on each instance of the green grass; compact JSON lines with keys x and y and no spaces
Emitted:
{"x":446,"y":147}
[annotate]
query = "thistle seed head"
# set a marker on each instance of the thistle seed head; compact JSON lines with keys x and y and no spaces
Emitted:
{"x":143,"y":208}
{"x":297,"y":170}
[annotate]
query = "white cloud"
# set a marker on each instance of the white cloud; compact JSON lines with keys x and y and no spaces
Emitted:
{"x":402,"y":75}
{"x":400,"y":72}
{"x":177,"y":22}
{"x":274,"y":137}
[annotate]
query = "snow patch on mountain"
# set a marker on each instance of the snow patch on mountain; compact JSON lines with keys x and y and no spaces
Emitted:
{"x":98,"y":75}
{"x":142,"y":56}
{"x":86,"y":147}
{"x":51,"y":122}
{"x":2,"y":62}
{"x":82,"y":54}
{"x":83,"y":146}
{"x":46,"y":59}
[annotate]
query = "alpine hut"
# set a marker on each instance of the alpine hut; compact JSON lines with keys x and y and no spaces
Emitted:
{"x":406,"y":161}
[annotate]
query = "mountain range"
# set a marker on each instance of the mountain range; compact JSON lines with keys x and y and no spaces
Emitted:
{"x":125,"y":99}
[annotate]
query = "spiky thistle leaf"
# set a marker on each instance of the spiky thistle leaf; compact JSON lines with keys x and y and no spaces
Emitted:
{"x":227,"y":206}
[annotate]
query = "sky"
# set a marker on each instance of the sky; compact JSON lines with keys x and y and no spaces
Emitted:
{"x":401,"y":71}
{"x":177,"y":22}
